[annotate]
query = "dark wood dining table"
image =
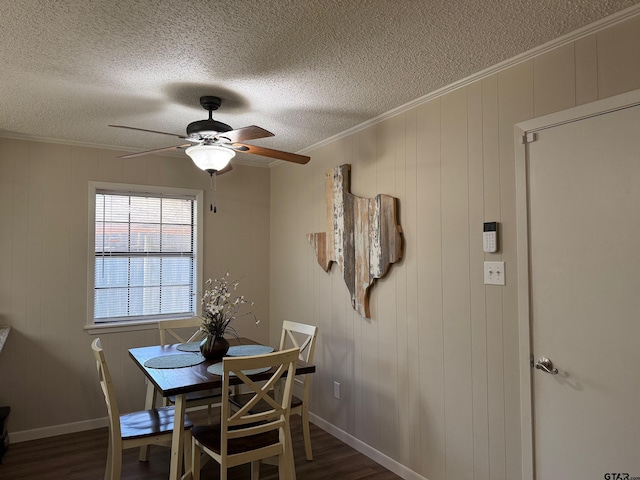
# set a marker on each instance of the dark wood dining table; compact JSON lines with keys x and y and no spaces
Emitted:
{"x":180,"y":381}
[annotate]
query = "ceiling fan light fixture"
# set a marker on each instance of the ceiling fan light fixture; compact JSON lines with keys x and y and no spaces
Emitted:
{"x":210,"y":157}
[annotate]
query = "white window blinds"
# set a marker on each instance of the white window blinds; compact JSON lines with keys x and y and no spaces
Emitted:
{"x":144,"y":256}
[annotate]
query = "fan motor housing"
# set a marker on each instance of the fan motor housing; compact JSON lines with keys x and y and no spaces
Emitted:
{"x":207,"y":127}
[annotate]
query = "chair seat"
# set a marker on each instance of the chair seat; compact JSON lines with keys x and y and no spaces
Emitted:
{"x":261,"y":406}
{"x":211,"y":393}
{"x":148,"y":423}
{"x":209,"y":436}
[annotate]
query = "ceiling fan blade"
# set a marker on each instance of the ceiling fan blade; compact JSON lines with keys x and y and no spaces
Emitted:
{"x":246,"y":133}
{"x":150,"y":131}
{"x":157,"y":150}
{"x":268,"y":152}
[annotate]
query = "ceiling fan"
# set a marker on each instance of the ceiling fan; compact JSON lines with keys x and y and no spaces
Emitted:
{"x":213,"y":144}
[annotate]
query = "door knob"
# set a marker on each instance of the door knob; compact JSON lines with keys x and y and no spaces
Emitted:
{"x":546,"y":365}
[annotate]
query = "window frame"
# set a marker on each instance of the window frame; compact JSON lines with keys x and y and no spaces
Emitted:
{"x":132,"y":189}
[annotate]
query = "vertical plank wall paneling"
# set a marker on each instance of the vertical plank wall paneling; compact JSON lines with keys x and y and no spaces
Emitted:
{"x":35,"y":240}
{"x":400,"y":348}
{"x":55,"y":272}
{"x":47,"y":370}
{"x":477,"y":314}
{"x":586,"y":75}
{"x":16,"y":256}
{"x":617,"y":56}
{"x":452,"y":408}
{"x":455,"y":286}
{"x":428,"y":248}
{"x":554,"y":80}
{"x":408,"y":220}
{"x":494,"y":364}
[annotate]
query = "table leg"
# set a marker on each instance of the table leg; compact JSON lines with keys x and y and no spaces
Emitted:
{"x":149,"y":403}
{"x":177,"y":440}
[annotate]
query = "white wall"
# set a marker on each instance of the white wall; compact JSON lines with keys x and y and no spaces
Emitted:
{"x":47,"y":371}
{"x":432,"y":380}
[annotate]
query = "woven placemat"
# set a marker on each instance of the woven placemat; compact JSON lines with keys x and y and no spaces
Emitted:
{"x":246,"y":350}
{"x":216,"y":369}
{"x":175,"y":361}
{"x":189,"y":347}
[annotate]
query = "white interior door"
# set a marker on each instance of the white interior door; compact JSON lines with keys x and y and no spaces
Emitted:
{"x":583,"y":183}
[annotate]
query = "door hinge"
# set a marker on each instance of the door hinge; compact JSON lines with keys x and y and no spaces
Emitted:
{"x":529,"y":137}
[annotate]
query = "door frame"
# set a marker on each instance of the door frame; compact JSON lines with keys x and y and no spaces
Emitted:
{"x":525,"y":133}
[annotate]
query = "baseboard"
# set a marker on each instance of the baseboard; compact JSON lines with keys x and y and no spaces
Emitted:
{"x":378,"y":457}
{"x":52,"y":431}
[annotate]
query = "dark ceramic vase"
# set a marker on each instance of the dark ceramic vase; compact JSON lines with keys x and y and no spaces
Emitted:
{"x":214,"y":348}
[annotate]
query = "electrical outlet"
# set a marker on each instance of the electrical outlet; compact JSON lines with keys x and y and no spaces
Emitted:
{"x":336,"y":390}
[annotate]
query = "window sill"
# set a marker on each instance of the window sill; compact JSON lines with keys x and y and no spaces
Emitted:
{"x":117,"y":327}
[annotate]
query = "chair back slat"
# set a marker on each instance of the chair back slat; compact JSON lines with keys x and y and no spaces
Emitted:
{"x":301,"y":336}
{"x":304,"y":337}
{"x":169,"y":328}
{"x":255,"y":429}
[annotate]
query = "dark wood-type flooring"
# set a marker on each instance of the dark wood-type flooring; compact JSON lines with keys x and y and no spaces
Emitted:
{"x":82,"y":456}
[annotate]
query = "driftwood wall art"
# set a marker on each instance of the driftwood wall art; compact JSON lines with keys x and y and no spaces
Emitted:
{"x":363,"y":236}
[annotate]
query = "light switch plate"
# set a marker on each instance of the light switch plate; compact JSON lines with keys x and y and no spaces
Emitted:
{"x":494,"y":273}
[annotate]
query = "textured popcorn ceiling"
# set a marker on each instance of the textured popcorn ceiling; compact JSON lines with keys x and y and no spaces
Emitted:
{"x":303,"y":69}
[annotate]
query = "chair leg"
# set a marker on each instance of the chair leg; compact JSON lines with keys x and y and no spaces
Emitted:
{"x":116,"y":463}
{"x":149,"y":403}
{"x":195,"y":460}
{"x":306,"y":431}
{"x":255,"y":470}
{"x":283,"y":467}
{"x":287,"y":455}
{"x":109,"y":467}
{"x":187,"y":451}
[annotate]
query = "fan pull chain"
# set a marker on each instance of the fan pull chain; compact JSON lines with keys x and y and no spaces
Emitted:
{"x":214,"y":200}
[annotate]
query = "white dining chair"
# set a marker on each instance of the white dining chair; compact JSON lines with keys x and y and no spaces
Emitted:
{"x":172,"y":331}
{"x":303,"y":337}
{"x":135,"y":429}
{"x":243,"y":436}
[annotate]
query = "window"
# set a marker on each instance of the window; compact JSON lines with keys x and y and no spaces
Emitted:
{"x":144,"y":255}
